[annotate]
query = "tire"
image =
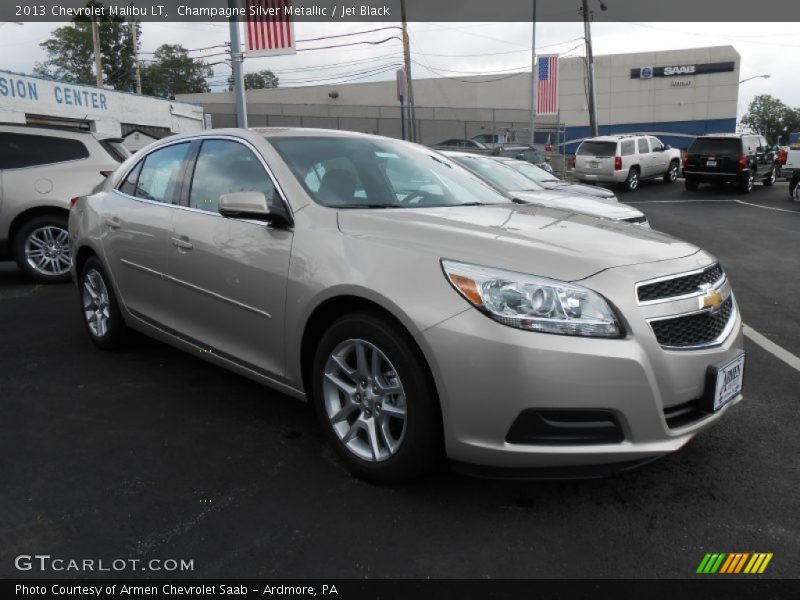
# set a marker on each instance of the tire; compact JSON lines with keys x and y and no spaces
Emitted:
{"x":632,"y":182}
{"x":99,"y":307}
{"x":691,"y":183}
{"x":792,"y":185}
{"x":672,"y":172}
{"x":771,"y":177}
{"x":352,"y":400}
{"x":41,"y":249}
{"x":746,"y":181}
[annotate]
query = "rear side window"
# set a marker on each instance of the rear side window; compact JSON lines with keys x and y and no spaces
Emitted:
{"x":589,"y":148}
{"x":643,"y":147}
{"x":19,"y":150}
{"x":715,"y":146}
{"x":159,"y":178}
{"x":129,"y":185}
{"x":225,"y":167}
{"x":628,"y":148}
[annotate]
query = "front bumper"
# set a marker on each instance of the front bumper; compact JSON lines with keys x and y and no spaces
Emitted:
{"x":487,"y":374}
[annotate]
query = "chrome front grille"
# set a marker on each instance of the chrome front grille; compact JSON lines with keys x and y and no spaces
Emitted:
{"x":680,"y":286}
{"x":693,"y":330}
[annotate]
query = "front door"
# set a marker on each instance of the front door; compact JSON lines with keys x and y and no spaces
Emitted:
{"x":228,"y":275}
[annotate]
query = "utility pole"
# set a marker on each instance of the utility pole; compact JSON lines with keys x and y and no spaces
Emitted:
{"x":533,"y":74}
{"x":137,"y":68}
{"x":412,"y":129}
{"x":98,"y":58}
{"x":587,"y":31}
{"x":237,"y":58}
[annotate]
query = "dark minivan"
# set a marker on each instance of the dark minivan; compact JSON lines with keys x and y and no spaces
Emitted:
{"x":738,"y":158}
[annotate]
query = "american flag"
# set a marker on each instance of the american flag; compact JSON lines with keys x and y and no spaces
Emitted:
{"x":547,"y":85}
{"x":270,"y":31}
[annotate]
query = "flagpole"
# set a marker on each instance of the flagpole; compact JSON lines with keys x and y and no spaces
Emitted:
{"x":533,"y":74}
{"x":237,"y":58}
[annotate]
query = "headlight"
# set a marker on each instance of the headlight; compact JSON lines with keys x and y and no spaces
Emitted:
{"x":533,"y":303}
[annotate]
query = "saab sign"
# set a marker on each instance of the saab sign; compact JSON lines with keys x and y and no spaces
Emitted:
{"x":682,"y":70}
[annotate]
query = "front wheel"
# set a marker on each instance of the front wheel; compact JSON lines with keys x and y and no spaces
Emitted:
{"x":101,"y":314}
{"x":746,"y":181}
{"x":41,"y":249}
{"x":793,"y":187}
{"x":672,"y":173}
{"x":374,"y":399}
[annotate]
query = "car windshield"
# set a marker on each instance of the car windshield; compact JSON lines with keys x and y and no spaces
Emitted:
{"x":533,"y":172}
{"x":528,"y":154}
{"x":715,"y":146}
{"x":601,"y":149}
{"x":499,"y":175}
{"x":351,"y":172}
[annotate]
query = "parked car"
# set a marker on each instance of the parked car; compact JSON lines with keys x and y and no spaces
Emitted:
{"x":419,"y":310}
{"x":528,"y":154}
{"x":626,"y":160}
{"x":40,"y":170}
{"x":459,"y":143}
{"x":520,"y":188}
{"x":492,"y":140}
{"x":549,"y":181}
{"x":736,"y":158}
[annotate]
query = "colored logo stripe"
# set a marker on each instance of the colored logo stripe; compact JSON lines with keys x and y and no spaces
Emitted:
{"x":734,"y":562}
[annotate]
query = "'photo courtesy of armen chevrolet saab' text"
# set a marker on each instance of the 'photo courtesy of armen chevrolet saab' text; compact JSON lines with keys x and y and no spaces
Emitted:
{"x":362,"y":299}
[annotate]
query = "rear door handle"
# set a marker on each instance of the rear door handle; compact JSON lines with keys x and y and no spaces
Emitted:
{"x":182,"y":243}
{"x":113,"y":223}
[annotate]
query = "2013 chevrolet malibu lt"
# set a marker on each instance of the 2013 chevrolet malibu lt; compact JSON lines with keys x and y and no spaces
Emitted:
{"x":423,"y":313}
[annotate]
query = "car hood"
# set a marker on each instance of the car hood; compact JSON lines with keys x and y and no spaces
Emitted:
{"x":526,"y":238}
{"x":582,"y":190}
{"x":597,"y":207}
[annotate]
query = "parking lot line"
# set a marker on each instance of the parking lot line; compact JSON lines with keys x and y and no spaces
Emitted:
{"x":796,"y":212}
{"x":771,"y":347}
{"x":694,"y":200}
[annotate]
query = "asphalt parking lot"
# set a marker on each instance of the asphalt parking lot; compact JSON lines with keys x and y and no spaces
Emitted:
{"x":153,"y":453}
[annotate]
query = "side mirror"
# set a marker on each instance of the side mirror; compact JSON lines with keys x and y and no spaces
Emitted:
{"x":250,"y":205}
{"x":666,"y":147}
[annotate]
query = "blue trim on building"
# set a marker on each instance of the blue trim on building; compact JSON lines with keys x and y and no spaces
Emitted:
{"x":683,"y":132}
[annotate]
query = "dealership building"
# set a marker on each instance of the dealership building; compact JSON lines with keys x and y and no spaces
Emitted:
{"x":673,"y":94}
{"x":32,"y":100}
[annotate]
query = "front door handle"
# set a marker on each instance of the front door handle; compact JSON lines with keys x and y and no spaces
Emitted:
{"x":113,"y":223}
{"x":182,"y":243}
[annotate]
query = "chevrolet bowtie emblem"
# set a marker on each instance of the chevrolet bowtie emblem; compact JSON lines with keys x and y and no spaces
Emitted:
{"x":712,"y":300}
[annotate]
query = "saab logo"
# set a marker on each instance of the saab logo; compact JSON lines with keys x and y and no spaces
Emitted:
{"x":712,"y":300}
{"x":734,"y":563}
{"x":684,"y":70}
{"x":646,"y":73}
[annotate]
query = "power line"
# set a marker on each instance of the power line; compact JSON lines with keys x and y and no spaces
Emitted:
{"x":328,"y":37}
{"x":375,"y":43}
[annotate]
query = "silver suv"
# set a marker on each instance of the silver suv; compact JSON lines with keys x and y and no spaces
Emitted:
{"x":626,"y":160}
{"x":41,"y":169}
{"x":419,"y":310}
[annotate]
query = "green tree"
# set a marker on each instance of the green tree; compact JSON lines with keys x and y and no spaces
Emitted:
{"x":260,"y":80}
{"x":70,"y":53}
{"x":770,"y":117}
{"x":173,"y":71}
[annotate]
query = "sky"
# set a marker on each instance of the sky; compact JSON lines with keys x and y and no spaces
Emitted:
{"x":456,"y":49}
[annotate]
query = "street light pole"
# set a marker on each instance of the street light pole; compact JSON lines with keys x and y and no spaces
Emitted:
{"x":756,"y":77}
{"x":237,"y":58}
{"x":533,"y":74}
{"x":98,"y":58}
{"x":412,"y":126}
{"x":587,"y":32}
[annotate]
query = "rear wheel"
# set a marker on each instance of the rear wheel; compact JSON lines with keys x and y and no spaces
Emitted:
{"x":746,"y":181}
{"x":41,"y":249}
{"x":672,"y":173}
{"x":376,"y":405}
{"x":793,"y":185}
{"x":632,"y":182}
{"x":771,"y":177}
{"x":99,"y":307}
{"x":691,"y":183}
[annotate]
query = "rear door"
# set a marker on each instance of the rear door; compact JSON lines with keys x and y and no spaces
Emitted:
{"x":646,"y":166}
{"x":596,"y":157}
{"x":658,"y":158}
{"x":136,"y":221}
{"x":228,"y":275}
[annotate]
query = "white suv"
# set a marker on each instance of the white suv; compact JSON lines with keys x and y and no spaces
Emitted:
{"x":626,"y":159}
{"x":41,"y":169}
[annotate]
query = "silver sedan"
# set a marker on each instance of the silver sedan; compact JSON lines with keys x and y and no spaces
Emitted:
{"x":421,"y":312}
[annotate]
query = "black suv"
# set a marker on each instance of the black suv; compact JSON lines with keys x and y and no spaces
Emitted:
{"x":740,"y":158}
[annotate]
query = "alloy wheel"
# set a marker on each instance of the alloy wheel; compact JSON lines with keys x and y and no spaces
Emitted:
{"x":364,"y":400}
{"x":47,"y":250}
{"x":633,"y":180}
{"x":673,"y":172}
{"x":96,"y":305}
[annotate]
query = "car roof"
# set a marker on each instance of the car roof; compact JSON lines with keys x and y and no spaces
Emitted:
{"x":735,"y":135}
{"x":53,"y":129}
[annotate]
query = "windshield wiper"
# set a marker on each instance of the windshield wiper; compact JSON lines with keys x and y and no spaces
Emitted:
{"x":373,"y":205}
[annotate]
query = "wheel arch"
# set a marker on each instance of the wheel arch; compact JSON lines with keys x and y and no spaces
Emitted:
{"x":32,"y":213}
